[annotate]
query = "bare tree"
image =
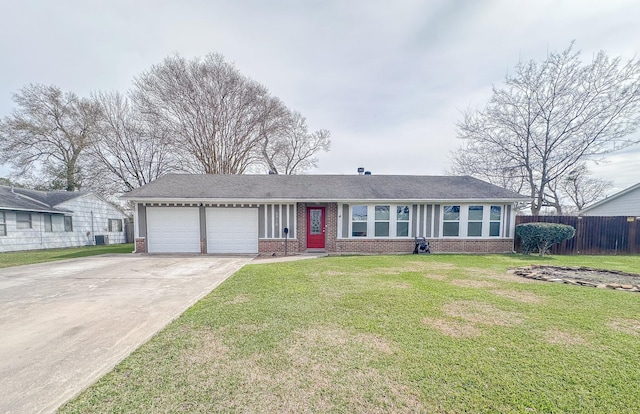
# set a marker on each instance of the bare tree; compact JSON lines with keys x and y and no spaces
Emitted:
{"x":131,"y":151}
{"x":548,"y":119}
{"x":583,"y":189}
{"x":223,"y":122}
{"x":49,"y":130}
{"x":292,"y":148}
{"x":209,"y":108}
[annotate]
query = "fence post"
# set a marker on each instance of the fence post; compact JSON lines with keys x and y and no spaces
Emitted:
{"x":579,"y":230}
{"x":631,"y":221}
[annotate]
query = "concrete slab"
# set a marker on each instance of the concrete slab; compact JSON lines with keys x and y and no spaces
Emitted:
{"x":65,"y":324}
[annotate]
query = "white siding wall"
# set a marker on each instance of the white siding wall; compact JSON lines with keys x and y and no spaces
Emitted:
{"x":90,"y":214}
{"x":624,"y":205}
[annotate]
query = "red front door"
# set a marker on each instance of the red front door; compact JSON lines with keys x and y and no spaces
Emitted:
{"x":315,"y":228}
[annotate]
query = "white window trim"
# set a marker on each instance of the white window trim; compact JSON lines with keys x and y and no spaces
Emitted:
{"x":464,"y":221}
{"x":24,"y":221}
{"x":3,"y":222}
{"x":371,"y":222}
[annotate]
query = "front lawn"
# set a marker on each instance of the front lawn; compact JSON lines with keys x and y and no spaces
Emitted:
{"x":438,"y":333}
{"x":9,"y":259}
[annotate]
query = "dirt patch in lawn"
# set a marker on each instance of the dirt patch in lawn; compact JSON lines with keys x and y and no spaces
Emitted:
{"x":242,"y":298}
{"x":435,"y":276}
{"x":518,"y":295}
{"x":207,"y":347}
{"x":325,"y":366}
{"x":464,"y":318}
{"x":629,"y":326}
{"x":481,"y":313}
{"x":479,"y":284}
{"x":453,"y":328}
{"x":558,"y":337}
{"x":583,"y":276}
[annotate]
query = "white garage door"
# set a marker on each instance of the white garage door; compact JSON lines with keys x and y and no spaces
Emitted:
{"x":173,"y":230}
{"x":232,"y":230}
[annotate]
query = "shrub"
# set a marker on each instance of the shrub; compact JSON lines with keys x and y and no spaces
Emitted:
{"x":541,"y":236}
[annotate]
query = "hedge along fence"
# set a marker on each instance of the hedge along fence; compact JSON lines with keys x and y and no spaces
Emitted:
{"x":539,"y":237}
{"x":594,"y":234}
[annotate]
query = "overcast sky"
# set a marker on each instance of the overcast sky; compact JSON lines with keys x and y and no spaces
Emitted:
{"x":389,"y":79}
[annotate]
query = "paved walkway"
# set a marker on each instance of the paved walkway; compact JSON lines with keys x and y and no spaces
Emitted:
{"x":65,"y":324}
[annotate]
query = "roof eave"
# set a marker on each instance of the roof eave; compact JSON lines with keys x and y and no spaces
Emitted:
{"x":33,"y":210}
{"x":195,"y":200}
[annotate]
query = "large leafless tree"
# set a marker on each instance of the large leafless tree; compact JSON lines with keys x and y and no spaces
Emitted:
{"x":291,"y":148}
{"x":129,"y":151}
{"x":548,"y":119}
{"x":583,"y":189}
{"x":49,"y":131}
{"x":210,"y":109}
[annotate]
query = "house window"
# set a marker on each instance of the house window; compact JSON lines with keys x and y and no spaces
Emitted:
{"x":495,"y":218}
{"x":451,"y":221}
{"x":382,"y":218}
{"x":115,"y":225}
{"x":474,"y":221}
{"x":3,"y":224}
{"x":48,"y":223}
{"x":23,"y":220}
{"x":402,"y":221}
{"x":359,"y":221}
{"x":68,"y":223}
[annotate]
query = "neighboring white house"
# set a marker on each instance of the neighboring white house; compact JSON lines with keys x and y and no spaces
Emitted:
{"x":624,"y":203}
{"x":31,"y":220}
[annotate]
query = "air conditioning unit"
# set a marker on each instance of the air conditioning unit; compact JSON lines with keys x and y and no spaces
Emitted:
{"x":101,"y":240}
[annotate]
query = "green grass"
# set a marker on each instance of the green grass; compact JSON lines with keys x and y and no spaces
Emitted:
{"x":9,"y":259}
{"x":439,"y":333}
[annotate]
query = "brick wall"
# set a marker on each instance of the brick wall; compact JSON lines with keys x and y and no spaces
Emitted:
{"x":436,"y":245}
{"x":471,"y":246}
{"x":141,"y":245}
{"x":277,"y":246}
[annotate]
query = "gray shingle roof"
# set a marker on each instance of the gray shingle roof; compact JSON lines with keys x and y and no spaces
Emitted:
{"x":33,"y":200}
{"x":320,"y":188}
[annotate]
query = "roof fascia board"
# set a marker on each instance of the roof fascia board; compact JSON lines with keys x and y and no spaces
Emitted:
{"x":323,"y":200}
{"x":32,"y":210}
{"x":611,"y":197}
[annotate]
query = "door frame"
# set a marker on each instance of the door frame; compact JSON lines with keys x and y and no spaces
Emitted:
{"x":321,"y":240}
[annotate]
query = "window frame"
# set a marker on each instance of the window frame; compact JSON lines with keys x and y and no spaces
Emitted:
{"x":352,"y":221}
{"x":376,"y":220}
{"x":466,"y":211}
{"x":407,"y":221}
{"x":373,"y":221}
{"x":68,"y":228}
{"x":22,"y":226}
{"x":3,"y":223}
{"x":47,"y":222}
{"x":457,"y":221}
{"x":475,"y":221}
{"x":493,"y":221}
{"x":118,"y":225}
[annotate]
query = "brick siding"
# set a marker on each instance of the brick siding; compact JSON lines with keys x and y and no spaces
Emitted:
{"x":375,"y":246}
{"x":141,"y":245}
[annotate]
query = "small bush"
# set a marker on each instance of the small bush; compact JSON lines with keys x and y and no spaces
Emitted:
{"x":541,"y":236}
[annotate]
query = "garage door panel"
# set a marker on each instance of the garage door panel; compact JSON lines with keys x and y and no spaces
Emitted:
{"x":232,"y":230}
{"x":173,"y":230}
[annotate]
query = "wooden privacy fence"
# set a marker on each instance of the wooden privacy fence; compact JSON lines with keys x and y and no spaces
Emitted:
{"x":594,"y":234}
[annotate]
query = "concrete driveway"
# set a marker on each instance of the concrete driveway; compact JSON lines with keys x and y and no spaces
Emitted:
{"x":65,"y":324}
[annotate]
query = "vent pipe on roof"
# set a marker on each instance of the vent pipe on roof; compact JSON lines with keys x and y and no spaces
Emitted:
{"x":360,"y":170}
{"x":367,"y":173}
